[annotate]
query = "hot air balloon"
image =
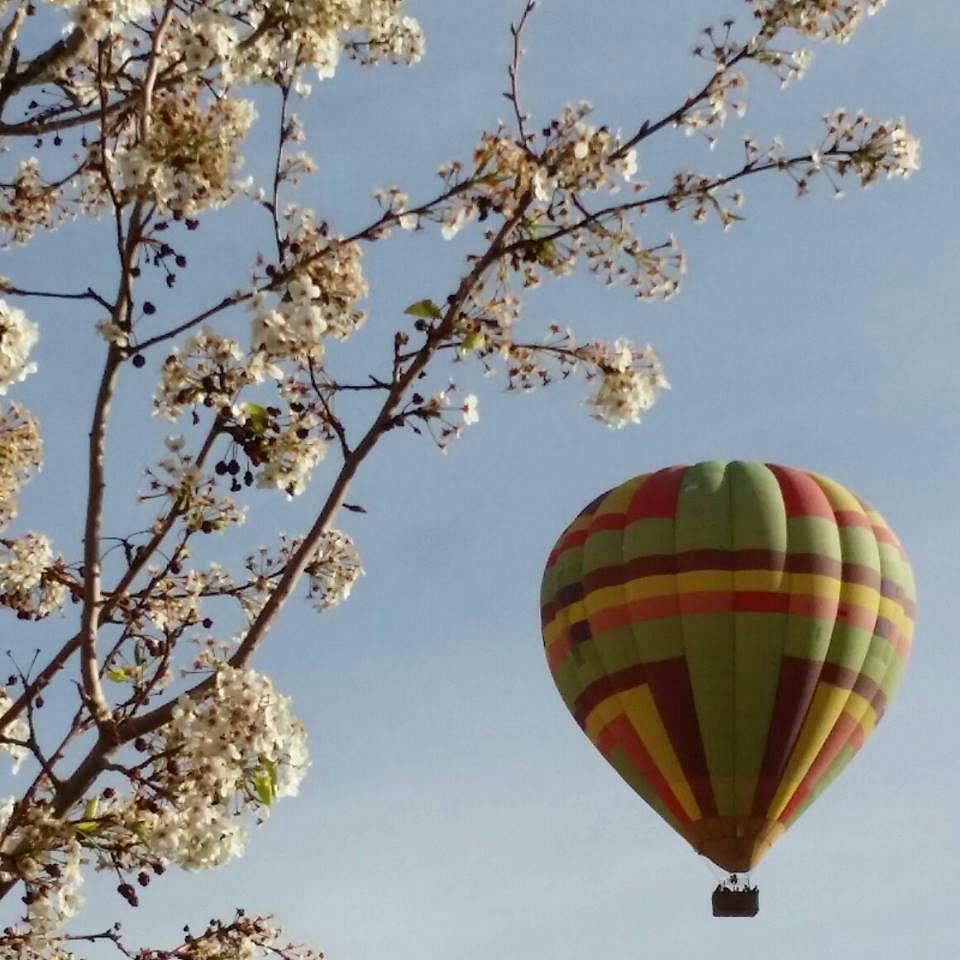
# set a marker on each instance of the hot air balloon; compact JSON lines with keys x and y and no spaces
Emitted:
{"x":728,"y":635}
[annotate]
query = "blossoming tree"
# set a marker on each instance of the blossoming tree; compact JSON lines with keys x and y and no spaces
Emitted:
{"x":176,"y":744}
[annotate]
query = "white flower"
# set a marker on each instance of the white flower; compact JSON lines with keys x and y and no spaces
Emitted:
{"x":454,"y":225}
{"x":289,"y":461}
{"x":630,"y":382}
{"x":25,"y":582}
{"x":627,"y":164}
{"x":16,"y":729}
{"x":544,"y":185}
{"x":469,"y":409}
{"x":319,"y":302}
{"x":21,"y":453}
{"x":18,"y":334}
{"x":239,"y":747}
{"x":334,"y":570}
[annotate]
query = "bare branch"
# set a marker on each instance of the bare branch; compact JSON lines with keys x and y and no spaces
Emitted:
{"x":516,"y":30}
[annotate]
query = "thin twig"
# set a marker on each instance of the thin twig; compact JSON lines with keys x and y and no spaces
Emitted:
{"x":514,"y":71}
{"x":88,"y":294}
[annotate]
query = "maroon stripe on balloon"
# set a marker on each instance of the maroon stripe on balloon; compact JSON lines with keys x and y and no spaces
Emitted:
{"x":620,"y":734}
{"x":607,"y":686}
{"x":795,"y":689}
{"x":673,"y":695}
{"x":859,"y":683}
{"x":579,"y":632}
{"x":726,"y":560}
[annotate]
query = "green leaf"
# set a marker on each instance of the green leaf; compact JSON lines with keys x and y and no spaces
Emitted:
{"x":258,"y":418}
{"x":547,"y":253}
{"x":265,"y":783}
{"x":88,"y":824}
{"x":118,"y":674}
{"x":474,"y":341}
{"x":426,"y":309}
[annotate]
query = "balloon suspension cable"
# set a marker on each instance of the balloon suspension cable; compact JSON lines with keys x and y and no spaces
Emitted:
{"x":715,"y":872}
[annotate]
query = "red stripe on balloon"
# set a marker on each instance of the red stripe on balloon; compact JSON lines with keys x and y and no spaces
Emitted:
{"x":620,"y":733}
{"x":802,"y":496}
{"x":851,"y":518}
{"x":842,"y":733}
{"x":657,"y":497}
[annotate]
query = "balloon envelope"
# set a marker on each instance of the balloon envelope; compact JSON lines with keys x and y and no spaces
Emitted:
{"x":728,"y":635}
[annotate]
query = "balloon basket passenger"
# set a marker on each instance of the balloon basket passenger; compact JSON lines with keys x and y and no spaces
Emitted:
{"x":735,"y":898}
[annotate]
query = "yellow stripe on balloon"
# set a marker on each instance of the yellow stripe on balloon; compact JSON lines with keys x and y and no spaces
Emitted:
{"x":596,"y":601}
{"x":826,"y":706}
{"x":643,"y":588}
{"x":640,"y":709}
{"x":554,"y":630}
{"x":860,"y":595}
{"x":605,"y":712}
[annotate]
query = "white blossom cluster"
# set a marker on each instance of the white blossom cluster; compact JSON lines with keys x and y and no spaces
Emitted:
{"x":16,"y":729}
{"x":21,"y":453}
{"x":190,"y":159}
{"x":243,"y":938}
{"x":289,"y":458}
{"x":334,"y":570}
{"x":557,"y":231}
{"x":54,"y":903}
{"x":237,"y":749}
{"x":630,"y":381}
{"x":44,"y":853}
{"x":724,"y":85}
{"x":179,"y":478}
{"x":875,"y":150}
{"x":582,"y":158}
{"x":28,"y":204}
{"x":319,"y":300}
{"x":310,"y":33}
{"x":27,"y":581}
{"x":576,"y":158}
{"x":211,"y":371}
{"x":18,"y":334}
{"x":817,"y":19}
{"x":174,"y":600}
{"x":208,"y":370}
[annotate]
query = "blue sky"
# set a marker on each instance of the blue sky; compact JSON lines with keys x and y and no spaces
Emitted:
{"x":454,"y":810}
